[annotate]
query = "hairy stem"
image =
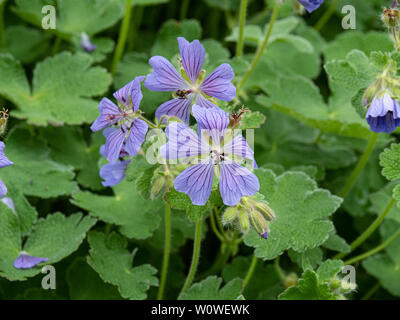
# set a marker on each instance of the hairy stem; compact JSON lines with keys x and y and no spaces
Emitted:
{"x":250,"y":272}
{"x":215,"y":229}
{"x":260,"y":49}
{"x":327,"y":15}
{"x":373,"y":251}
{"x":242,"y":21}
{"x":134,"y":26}
{"x":195,"y":257}
{"x":367,"y":233}
{"x":360,"y":166}
{"x":167,"y":248}
{"x":123,"y":34}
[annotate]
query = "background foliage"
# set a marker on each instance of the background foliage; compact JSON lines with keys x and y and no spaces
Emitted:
{"x":107,"y":243}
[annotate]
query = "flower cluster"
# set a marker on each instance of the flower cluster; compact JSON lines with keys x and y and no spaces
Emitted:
{"x":214,"y":156}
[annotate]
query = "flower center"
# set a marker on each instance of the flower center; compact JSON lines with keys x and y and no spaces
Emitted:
{"x":217,"y":157}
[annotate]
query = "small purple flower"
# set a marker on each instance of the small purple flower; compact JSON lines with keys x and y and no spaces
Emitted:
{"x":113,"y":173}
{"x":4,"y":162}
{"x":26,"y":261}
{"x":128,"y":131}
{"x":311,"y":5}
{"x":383,"y":115}
{"x":215,"y":147}
{"x":86,"y":43}
{"x":190,"y":86}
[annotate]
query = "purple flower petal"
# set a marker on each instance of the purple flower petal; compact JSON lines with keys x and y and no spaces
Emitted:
{"x":383,"y":115}
{"x":26,"y":261}
{"x":87,"y":44}
{"x":114,"y":143}
{"x":164,"y":76}
{"x":131,"y":91}
{"x":136,"y":137}
{"x":205,"y":103}
{"x":213,"y":122}
{"x":178,"y":107}
{"x":264,"y":235}
{"x":218,"y":83}
{"x":113,"y":173}
{"x":196,"y":182}
{"x":238,"y":147}
{"x":311,"y":5}
{"x":4,"y":162}
{"x":3,"y":189}
{"x":236,"y":182}
{"x":109,"y":114}
{"x":9,"y":202}
{"x":192,"y":54}
{"x":183,"y":142}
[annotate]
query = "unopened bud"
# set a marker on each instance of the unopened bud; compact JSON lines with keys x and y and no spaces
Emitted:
{"x":290,"y":280}
{"x":391,"y":17}
{"x":243,"y":221}
{"x":265,"y":209}
{"x":3,"y":120}
{"x":259,"y":224}
{"x":158,"y":184}
{"x":229,"y":215}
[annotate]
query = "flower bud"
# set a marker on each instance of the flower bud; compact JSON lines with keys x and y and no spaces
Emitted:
{"x":265,"y":209}
{"x":259,"y":224}
{"x":243,"y":221}
{"x":290,"y":280}
{"x":229,"y":215}
{"x":3,"y":120}
{"x":391,"y":17}
{"x":158,"y":183}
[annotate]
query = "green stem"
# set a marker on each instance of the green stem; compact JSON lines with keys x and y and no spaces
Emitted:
{"x":167,"y":248}
{"x":134,"y":26}
{"x":223,"y":256}
{"x":373,"y":251}
{"x":2,"y":30}
{"x":123,"y":34}
{"x":56,"y":45}
{"x":366,"y":234}
{"x":278,"y":269}
{"x":195,"y":257}
{"x":360,"y":166}
{"x":151,"y":124}
{"x":215,"y":229}
{"x":371,"y":291}
{"x":250,"y":272}
{"x":327,"y":15}
{"x":242,"y":21}
{"x":184,"y":9}
{"x":260,"y":50}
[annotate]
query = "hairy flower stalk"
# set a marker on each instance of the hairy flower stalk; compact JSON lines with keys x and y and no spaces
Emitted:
{"x":189,"y":86}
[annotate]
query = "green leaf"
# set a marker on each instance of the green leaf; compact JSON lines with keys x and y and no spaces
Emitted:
{"x":181,"y":201}
{"x":74,"y":16}
{"x":252,"y":120}
{"x":329,"y":269}
{"x":354,"y":72}
{"x":336,"y":243}
{"x":308,"y":259}
{"x":285,"y":141}
{"x":210,"y":289}
{"x":265,"y":283}
{"x":26,"y":44}
{"x":33,"y":172}
{"x":390,"y":161}
{"x":382,"y":198}
{"x":136,"y":217}
{"x":51,"y":100}
{"x":69,"y":147}
{"x":366,"y":42}
{"x":85,"y":284}
{"x":386,"y":266}
{"x":109,"y":257}
{"x":54,"y":237}
{"x":302,"y":210}
{"x":166,"y":44}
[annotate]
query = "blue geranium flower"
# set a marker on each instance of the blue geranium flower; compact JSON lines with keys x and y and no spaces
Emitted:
{"x":383,"y":115}
{"x":190,"y":86}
